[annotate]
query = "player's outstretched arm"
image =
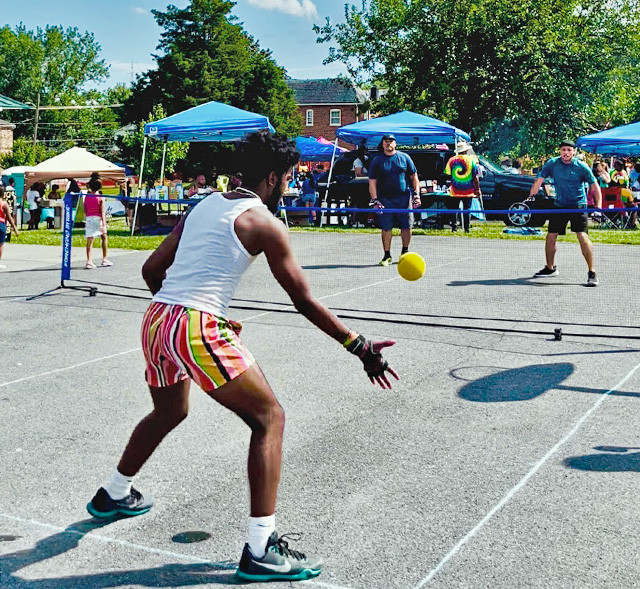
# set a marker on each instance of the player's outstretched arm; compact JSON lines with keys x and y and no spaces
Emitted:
{"x":269,"y":235}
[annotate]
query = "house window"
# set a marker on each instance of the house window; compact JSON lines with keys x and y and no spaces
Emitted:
{"x":309,"y":118}
{"x":335,"y":117}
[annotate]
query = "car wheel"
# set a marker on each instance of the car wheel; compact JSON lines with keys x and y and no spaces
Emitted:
{"x":519,"y":215}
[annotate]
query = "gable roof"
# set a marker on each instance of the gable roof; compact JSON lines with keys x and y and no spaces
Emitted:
{"x":324,"y":91}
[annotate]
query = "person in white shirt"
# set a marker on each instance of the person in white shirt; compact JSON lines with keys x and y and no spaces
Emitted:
{"x":33,"y":202}
{"x":187,"y":335}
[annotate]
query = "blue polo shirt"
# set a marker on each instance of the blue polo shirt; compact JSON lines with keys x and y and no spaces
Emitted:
{"x":569,"y":181}
{"x":392,"y":173}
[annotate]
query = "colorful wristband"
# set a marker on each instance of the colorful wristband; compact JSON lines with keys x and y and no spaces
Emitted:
{"x":352,"y":337}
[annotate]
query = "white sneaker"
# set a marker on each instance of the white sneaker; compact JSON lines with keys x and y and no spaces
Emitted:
{"x":3,"y":267}
{"x":106,"y":262}
{"x":90,"y":266}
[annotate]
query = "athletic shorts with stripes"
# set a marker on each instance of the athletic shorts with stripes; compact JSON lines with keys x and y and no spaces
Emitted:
{"x":180,"y":343}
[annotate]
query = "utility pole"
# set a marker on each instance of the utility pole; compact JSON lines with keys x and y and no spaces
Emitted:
{"x":35,"y":129}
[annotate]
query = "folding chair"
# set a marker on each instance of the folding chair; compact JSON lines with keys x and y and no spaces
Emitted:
{"x":612,"y":199}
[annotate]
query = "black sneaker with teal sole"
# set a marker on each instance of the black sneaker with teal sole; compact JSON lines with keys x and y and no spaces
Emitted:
{"x":103,"y":507}
{"x":547,"y":272}
{"x":280,"y":563}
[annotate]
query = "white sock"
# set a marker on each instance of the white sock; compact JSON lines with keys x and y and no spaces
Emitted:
{"x":119,"y":486}
{"x":260,"y":528}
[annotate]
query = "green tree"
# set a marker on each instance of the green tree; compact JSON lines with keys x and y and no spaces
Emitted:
{"x":205,"y":55}
{"x":24,"y":155}
{"x":516,"y":75}
{"x":54,"y":65}
{"x":132,"y":144}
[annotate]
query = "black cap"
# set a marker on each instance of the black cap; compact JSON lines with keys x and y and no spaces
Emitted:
{"x":389,"y":136}
{"x":568,"y":143}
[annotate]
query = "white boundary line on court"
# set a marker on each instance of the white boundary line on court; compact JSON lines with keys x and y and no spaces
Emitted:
{"x":6,"y":384}
{"x":496,"y":508}
{"x":140,"y":547}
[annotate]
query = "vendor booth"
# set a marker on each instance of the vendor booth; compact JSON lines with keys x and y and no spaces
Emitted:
{"x":76,"y":163}
{"x":212,"y":121}
{"x":411,"y":130}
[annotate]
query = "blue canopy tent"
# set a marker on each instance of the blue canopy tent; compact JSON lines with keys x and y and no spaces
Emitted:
{"x":624,"y":140}
{"x":312,"y":150}
{"x":408,"y":127}
{"x":212,"y":121}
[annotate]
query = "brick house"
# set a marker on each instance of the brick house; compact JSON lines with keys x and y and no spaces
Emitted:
{"x":326,"y":104}
{"x":6,"y":136}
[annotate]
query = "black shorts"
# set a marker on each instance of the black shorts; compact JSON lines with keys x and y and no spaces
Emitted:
{"x":400,"y":220}
{"x":558,"y":222}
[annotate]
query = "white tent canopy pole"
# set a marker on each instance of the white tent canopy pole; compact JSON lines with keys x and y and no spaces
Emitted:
{"x":326,"y":192}
{"x":144,"y":151}
{"x":164,"y":154}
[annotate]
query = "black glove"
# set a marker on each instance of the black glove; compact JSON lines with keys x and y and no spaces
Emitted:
{"x":374,"y":365}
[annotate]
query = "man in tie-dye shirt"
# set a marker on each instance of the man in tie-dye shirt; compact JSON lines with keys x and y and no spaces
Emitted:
{"x":463,"y":170}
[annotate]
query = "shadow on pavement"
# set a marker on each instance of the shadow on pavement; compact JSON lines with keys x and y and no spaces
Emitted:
{"x":615,"y":460}
{"x":170,"y":575}
{"x":523,"y":384}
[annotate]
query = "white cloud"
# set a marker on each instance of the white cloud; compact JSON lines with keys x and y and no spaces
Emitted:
{"x":304,"y":8}
{"x":140,"y":10}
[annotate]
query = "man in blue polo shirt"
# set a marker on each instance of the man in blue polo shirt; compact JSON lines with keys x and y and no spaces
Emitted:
{"x":393,"y":180}
{"x":569,"y":176}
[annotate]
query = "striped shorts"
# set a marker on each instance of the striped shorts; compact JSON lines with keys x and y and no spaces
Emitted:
{"x":180,"y":343}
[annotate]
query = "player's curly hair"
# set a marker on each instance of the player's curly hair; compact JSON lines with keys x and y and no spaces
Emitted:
{"x":261,"y":153}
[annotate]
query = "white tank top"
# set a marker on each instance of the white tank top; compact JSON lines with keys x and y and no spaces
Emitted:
{"x":210,"y":259}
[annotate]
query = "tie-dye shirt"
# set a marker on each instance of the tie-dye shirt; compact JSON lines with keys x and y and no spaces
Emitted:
{"x":462,"y":169}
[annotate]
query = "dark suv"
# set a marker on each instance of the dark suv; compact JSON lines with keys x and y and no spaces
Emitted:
{"x":500,"y":190}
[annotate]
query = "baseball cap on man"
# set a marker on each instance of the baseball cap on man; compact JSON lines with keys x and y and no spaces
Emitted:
{"x":568,"y":143}
{"x":388,"y":136}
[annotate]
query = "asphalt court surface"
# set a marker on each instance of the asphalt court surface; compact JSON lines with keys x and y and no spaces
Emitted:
{"x":499,"y":460}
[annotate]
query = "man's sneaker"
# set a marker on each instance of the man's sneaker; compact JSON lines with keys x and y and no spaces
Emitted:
{"x":385,"y":262}
{"x":280,"y":563}
{"x":546,"y":272}
{"x":592,"y":279}
{"x":102,"y":506}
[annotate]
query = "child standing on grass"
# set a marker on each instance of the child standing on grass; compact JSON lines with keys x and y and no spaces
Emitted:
{"x":95,"y":223}
{"x":5,"y":217}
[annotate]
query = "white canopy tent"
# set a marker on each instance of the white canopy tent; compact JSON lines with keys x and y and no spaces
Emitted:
{"x":76,"y":163}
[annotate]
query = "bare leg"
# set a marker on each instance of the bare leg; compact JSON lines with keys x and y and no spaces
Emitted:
{"x":103,"y":239}
{"x":405,"y":235}
{"x":170,"y":408}
{"x":89,"y":247}
{"x":550,"y":249}
{"x":386,"y":239}
{"x":587,"y":249}
{"x":250,"y":397}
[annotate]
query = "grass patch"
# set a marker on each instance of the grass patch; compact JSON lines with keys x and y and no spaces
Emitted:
{"x":120,"y":235}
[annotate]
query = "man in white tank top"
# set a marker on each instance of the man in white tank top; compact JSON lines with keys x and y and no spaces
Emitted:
{"x":186,"y":335}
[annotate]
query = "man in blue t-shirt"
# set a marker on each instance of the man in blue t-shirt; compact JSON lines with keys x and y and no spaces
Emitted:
{"x":393,"y":181}
{"x":569,"y":176}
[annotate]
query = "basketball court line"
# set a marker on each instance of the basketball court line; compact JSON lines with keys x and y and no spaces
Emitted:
{"x":57,"y":370}
{"x":498,"y":506}
{"x":140,"y":547}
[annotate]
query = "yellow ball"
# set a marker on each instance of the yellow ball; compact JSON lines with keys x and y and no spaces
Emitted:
{"x":411,"y":266}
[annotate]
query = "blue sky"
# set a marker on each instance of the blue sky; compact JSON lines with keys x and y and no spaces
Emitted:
{"x":128,"y":34}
